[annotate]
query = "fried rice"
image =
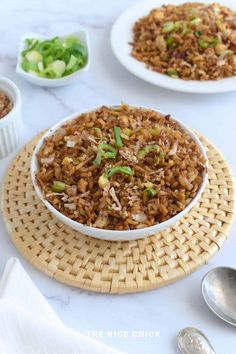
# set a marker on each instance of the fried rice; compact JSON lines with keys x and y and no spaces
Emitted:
{"x":192,"y":41}
{"x":5,"y":105}
{"x":120,"y":168}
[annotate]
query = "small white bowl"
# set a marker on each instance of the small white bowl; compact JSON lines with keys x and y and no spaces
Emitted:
{"x":10,"y":124}
{"x":63,"y":81}
{"x":113,"y":235}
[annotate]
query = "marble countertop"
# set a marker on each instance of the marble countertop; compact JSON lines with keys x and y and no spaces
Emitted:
{"x":135,"y":323}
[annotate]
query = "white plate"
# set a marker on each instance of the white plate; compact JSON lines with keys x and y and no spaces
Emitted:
{"x":114,"y":235}
{"x":121,"y":35}
{"x":62,"y":81}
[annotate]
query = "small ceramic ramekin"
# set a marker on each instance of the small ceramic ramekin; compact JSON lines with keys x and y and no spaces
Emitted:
{"x":10,"y":124}
{"x":82,"y":35}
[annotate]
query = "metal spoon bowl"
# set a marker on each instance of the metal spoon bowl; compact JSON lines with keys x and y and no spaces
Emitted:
{"x":219,"y":292}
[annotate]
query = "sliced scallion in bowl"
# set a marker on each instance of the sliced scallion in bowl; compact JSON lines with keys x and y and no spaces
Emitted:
{"x":53,"y":58}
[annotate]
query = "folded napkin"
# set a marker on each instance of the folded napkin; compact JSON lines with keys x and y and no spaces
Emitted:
{"x":28,"y":325}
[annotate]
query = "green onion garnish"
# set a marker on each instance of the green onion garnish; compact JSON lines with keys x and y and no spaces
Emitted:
{"x":104,"y":178}
{"x":119,"y":143}
{"x":202,"y":44}
{"x":128,"y":132}
{"x":169,"y":41}
{"x":98,"y":160}
{"x":104,"y":151}
{"x":53,"y":58}
{"x":168,"y":27}
{"x":185,"y":29}
{"x":214,"y":42}
{"x":226,"y":52}
{"x":172,"y":73}
{"x":198,"y":33}
{"x":196,"y":21}
{"x":58,"y":186}
{"x":149,"y":148}
{"x":151,"y":192}
{"x":119,"y":169}
{"x":98,"y":132}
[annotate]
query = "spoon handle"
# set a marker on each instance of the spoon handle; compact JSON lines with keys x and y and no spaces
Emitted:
{"x":192,"y":341}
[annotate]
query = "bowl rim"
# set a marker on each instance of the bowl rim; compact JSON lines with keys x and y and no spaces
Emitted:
{"x":16,"y":103}
{"x":89,"y":230}
{"x":43,"y":80}
{"x":121,"y":35}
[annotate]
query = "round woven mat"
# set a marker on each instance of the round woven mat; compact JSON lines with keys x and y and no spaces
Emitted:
{"x":117,"y":267}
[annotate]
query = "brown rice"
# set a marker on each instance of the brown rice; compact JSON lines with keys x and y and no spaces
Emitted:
{"x":5,"y":105}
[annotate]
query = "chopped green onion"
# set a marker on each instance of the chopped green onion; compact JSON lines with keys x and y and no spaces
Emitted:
{"x":169,"y":41}
{"x":226,"y":52}
{"x":202,"y":44}
{"x":104,"y":151}
{"x":119,"y":169}
{"x":119,"y":143}
{"x":172,"y":73}
{"x":214,"y":42}
{"x":98,"y":160}
{"x":40,"y":66}
{"x":128,"y":132}
{"x":178,"y":24}
{"x":58,"y":67}
{"x":58,"y":186}
{"x":104,"y":178}
{"x":198,"y":33}
{"x":196,"y":21}
{"x":185,"y":29}
{"x":181,"y":25}
{"x":34,"y":56}
{"x":192,"y":12}
{"x":168,"y":27}
{"x":29,"y":67}
{"x":31,"y":43}
{"x":73,"y":60}
{"x":149,"y":148}
{"x":151,"y":192}
{"x":57,"y":57}
{"x":156,"y":130}
{"x":45,"y":47}
{"x":107,"y":151}
{"x":98,"y":132}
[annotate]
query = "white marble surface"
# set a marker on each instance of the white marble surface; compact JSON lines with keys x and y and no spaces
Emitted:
{"x":167,"y":309}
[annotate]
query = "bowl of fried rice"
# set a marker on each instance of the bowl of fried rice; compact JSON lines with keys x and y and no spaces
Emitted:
{"x":119,"y":172}
{"x":182,"y":45}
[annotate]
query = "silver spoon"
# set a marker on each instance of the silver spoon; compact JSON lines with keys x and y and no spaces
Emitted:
{"x":192,"y":341}
{"x":219,"y":292}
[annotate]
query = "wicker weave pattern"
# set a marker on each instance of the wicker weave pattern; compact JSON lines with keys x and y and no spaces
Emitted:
{"x":117,"y":267}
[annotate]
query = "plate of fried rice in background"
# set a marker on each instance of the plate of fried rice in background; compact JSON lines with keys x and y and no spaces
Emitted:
{"x":119,"y":172}
{"x":178,"y":45}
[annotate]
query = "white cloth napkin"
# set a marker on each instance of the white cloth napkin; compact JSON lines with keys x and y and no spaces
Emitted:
{"x":28,"y":325}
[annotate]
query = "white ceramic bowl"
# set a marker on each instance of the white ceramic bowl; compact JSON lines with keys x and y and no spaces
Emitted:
{"x":66,"y":80}
{"x":10,"y":124}
{"x":112,"y":235}
{"x":122,"y":35}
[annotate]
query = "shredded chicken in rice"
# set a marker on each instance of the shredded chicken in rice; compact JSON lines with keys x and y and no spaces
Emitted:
{"x":120,"y":168}
{"x":193,"y":41}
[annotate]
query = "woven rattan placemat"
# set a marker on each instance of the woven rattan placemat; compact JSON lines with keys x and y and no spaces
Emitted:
{"x":117,"y":267}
